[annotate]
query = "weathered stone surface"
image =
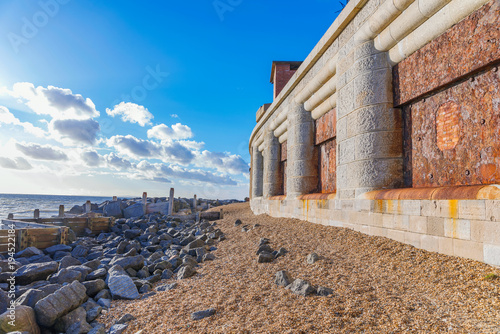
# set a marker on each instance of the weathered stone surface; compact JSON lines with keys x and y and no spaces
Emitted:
{"x":202,"y":314}
{"x":80,"y":327}
{"x":28,"y":252}
{"x":311,"y":258}
{"x":167,"y":274}
{"x":35,"y":272}
{"x":99,"y":273}
{"x":113,"y":209}
{"x":135,"y":210}
{"x":265,"y":257}
{"x":125,"y":318}
{"x":185,"y":272}
{"x":132,"y":234}
{"x":301,"y":287}
{"x":118,"y":329}
{"x":69,"y":261}
{"x":322,"y":291}
{"x":79,"y":251}
{"x":122,"y":287}
{"x":83,"y":270}
{"x":24,"y":321}
{"x":4,"y":301}
{"x":282,"y":278}
{"x":30,"y":298}
{"x":99,"y":329}
{"x":134,"y":262}
{"x":264,"y":248}
{"x":166,"y":287}
{"x":94,"y":287}
{"x":65,"y":276}
{"x":59,"y":303}
{"x":195,"y":244}
{"x":76,"y":316}
{"x":58,"y":248}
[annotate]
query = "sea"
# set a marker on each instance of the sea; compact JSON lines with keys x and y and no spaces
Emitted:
{"x":22,"y":206}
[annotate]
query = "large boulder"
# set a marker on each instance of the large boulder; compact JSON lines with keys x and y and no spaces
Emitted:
{"x":69,"y":261}
{"x":122,"y":287}
{"x":60,"y":303}
{"x":58,"y":248}
{"x":94,"y":287}
{"x":66,"y":276}
{"x":113,"y":209}
{"x":134,"y":262}
{"x":135,"y":210}
{"x":4,"y":301}
{"x":25,"y":322}
{"x":35,"y":272}
{"x":31,"y":297}
{"x":28,"y":252}
{"x":79,"y":315}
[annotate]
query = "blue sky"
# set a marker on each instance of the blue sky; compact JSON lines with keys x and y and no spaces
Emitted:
{"x":120,"y":97}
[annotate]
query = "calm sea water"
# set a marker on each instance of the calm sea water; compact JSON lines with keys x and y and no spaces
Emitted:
{"x":22,"y":206}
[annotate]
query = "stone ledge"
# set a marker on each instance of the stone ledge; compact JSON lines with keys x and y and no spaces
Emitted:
{"x":476,"y":192}
{"x":318,"y":196}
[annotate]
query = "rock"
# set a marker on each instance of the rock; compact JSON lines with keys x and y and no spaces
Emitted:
{"x":237,"y":222}
{"x":59,"y":303}
{"x":65,"y":276}
{"x":113,"y":209}
{"x":208,"y":257}
{"x":263,"y":241}
{"x":93,"y":313}
{"x":282,"y":278}
{"x":71,"y":236}
{"x":134,"y":262}
{"x":202,"y":314}
{"x":322,"y":291}
{"x":119,"y":328}
{"x":99,"y":329}
{"x":132,"y":234}
{"x":264,"y":248}
{"x":35,"y":272}
{"x":195,"y":244}
{"x":145,"y":288}
{"x":93,"y":264}
{"x":311,"y":258}
{"x":106,"y":303}
{"x":76,"y":210}
{"x":103,"y":294}
{"x":4,"y":301}
{"x":134,"y":210}
{"x":99,"y":273}
{"x":28,"y":252}
{"x":80,"y":251}
{"x":167,"y":274}
{"x":30,"y":298}
{"x":94,"y":287}
{"x":80,"y":327}
{"x":58,"y":248}
{"x":122,"y":287}
{"x":166,"y":287}
{"x":83,"y":270}
{"x":25,"y":321}
{"x":265,"y":257}
{"x":125,"y":318}
{"x":301,"y":287}
{"x":68,"y":261}
{"x":79,"y":315}
{"x":281,"y":252}
{"x":185,"y":272}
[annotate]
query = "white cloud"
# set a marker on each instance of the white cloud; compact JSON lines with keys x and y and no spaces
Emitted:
{"x":174,"y":115}
{"x":116,"y":162}
{"x":75,"y":131}
{"x":17,"y":163}
{"x":54,"y":101}
{"x":6,"y":117}
{"x":223,"y":162}
{"x":176,"y":132}
{"x":131,"y":112}
{"x":91,"y":158}
{"x":40,"y":152}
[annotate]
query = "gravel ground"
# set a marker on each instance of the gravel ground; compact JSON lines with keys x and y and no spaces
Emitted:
{"x":379,"y":285}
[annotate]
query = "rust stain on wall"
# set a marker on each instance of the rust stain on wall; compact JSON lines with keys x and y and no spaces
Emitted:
{"x":469,"y":46}
{"x":325,"y":140}
{"x":475,"y":157}
{"x":448,"y":125}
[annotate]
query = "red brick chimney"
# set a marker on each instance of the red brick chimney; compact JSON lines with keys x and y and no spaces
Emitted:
{"x":281,"y":72}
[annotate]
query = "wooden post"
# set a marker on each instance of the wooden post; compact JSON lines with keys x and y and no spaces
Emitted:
{"x":145,"y":201}
{"x":195,"y":203}
{"x":61,"y":210}
{"x":10,"y":216}
{"x":171,"y":202}
{"x":221,"y":214}
{"x":88,"y":207}
{"x":36,"y":213}
{"x":115,"y":198}
{"x":64,"y":235}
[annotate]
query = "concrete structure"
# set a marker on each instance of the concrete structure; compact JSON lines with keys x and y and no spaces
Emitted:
{"x":391,"y":127}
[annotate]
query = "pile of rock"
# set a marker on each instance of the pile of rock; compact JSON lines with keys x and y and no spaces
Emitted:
{"x":266,"y":253}
{"x":65,"y":287}
{"x":299,"y":286}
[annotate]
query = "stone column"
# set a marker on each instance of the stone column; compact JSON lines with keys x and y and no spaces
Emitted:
{"x":257,"y":172}
{"x":171,"y":202}
{"x":369,"y":129}
{"x":272,"y":177}
{"x":302,"y":155}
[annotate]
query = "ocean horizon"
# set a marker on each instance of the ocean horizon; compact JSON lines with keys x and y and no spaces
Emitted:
{"x":23,"y":205}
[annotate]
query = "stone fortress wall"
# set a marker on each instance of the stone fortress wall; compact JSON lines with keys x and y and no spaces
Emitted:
{"x":391,"y":127}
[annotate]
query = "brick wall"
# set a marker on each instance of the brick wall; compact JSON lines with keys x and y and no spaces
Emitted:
{"x":282,"y":75}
